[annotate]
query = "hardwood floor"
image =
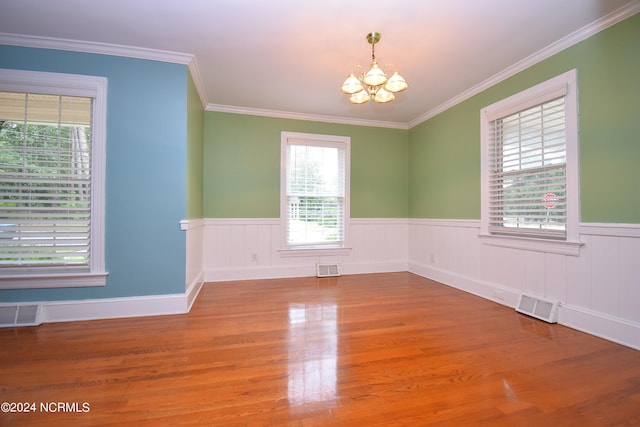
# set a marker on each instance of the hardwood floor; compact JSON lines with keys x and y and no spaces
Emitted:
{"x":365,"y":350}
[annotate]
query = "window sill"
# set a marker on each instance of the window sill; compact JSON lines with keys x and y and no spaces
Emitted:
{"x":310,"y":251}
{"x":564,"y":247}
{"x":52,"y":280}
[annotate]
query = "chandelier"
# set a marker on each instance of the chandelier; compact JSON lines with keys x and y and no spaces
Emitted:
{"x":375,"y":84}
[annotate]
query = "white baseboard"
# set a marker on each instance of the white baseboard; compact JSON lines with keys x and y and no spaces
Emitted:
{"x":113,"y":308}
{"x":374,"y":267}
{"x":598,"y":324}
{"x":499,"y":294}
{"x":610,"y":328}
{"x":194,"y":289}
{"x":257,"y":273}
{"x":304,"y":270}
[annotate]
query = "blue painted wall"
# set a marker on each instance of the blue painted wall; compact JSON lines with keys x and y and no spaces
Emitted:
{"x":146,"y":171}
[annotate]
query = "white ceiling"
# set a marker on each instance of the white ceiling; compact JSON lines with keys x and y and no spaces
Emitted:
{"x":289,"y":57}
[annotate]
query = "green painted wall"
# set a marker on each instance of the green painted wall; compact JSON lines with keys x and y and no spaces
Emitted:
{"x":242,"y":166}
{"x":609,"y":84}
{"x":195,"y":149}
{"x":444,"y":152}
{"x":444,"y":166}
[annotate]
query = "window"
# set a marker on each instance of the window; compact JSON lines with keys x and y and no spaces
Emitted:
{"x":530,"y":168}
{"x":314,"y":205}
{"x":52,"y":138}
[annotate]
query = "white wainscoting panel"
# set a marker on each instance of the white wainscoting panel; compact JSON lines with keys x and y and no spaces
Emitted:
{"x":193,"y":275}
{"x":629,"y":274}
{"x":249,"y":248}
{"x":599,"y":290}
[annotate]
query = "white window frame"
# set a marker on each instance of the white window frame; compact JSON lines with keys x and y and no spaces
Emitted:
{"x":314,"y":140}
{"x":68,"y":85}
{"x":564,"y":84}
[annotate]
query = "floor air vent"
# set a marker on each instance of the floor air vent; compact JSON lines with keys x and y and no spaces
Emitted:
{"x":327,"y":270}
{"x":538,"y":308}
{"x":13,"y":315}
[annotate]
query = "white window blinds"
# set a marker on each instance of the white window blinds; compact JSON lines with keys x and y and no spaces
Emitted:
{"x":45,"y":180}
{"x":315,"y":193}
{"x":527,"y":172}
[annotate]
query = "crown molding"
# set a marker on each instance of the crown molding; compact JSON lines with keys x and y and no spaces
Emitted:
{"x":304,"y":116}
{"x":111,"y":49}
{"x":577,"y":36}
{"x":94,"y":47}
{"x":197,"y":81}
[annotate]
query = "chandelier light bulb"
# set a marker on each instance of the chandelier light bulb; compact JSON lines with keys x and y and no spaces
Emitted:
{"x":396,"y":83}
{"x":375,"y":76}
{"x":383,"y":96}
{"x":351,"y":85}
{"x":361,"y":97}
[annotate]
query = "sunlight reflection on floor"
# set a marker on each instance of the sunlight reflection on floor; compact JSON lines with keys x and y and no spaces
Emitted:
{"x":312,"y":353}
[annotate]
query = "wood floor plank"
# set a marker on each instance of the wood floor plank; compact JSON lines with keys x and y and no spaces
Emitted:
{"x":390,"y":349}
